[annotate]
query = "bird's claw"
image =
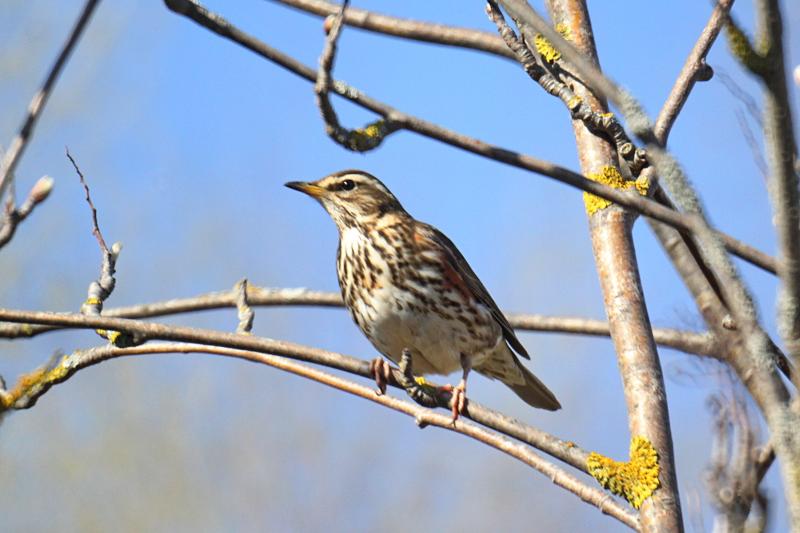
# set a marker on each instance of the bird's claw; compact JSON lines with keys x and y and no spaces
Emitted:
{"x":458,"y":399}
{"x":381,"y":371}
{"x":418,"y":390}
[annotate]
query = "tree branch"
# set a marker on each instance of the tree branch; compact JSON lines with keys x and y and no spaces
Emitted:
{"x":686,"y":341}
{"x":693,"y":68}
{"x":565,"y":451}
{"x":26,"y":393}
{"x":20,"y":141}
{"x":755,"y":363}
{"x":783,"y":184}
{"x":14,"y":215}
{"x":406,"y":28}
{"x":638,"y":203}
{"x":615,"y":256}
{"x":101,"y":288}
{"x":358,"y":140}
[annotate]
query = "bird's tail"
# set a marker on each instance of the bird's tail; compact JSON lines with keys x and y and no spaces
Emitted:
{"x":506,"y":366}
{"x":533,"y":391}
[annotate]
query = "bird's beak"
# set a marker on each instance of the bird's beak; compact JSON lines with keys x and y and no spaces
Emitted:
{"x":311,"y":189}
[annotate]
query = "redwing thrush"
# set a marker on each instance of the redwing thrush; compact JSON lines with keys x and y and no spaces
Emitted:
{"x":410,"y":290}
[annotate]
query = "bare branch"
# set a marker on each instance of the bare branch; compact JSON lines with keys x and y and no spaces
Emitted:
{"x":14,"y":215}
{"x":735,"y":470}
{"x":100,"y":289}
{"x":565,"y":451}
{"x":25,"y":395}
{"x":695,"y":65}
{"x":756,"y":358}
{"x":647,"y":207}
{"x":546,"y":74}
{"x":617,"y":268}
{"x":785,"y":195}
{"x":686,"y":341}
{"x":407,"y":29}
{"x":359,"y":140}
{"x":20,"y":141}
{"x":783,"y":184}
{"x":244,"y":311}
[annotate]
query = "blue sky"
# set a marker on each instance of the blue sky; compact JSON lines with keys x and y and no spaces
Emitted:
{"x":186,"y":141}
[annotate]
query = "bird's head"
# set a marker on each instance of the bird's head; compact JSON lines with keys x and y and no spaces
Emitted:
{"x":351,"y":197}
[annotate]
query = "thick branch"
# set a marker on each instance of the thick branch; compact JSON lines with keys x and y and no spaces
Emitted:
{"x":667,"y":167}
{"x":756,"y":359}
{"x":635,"y":202}
{"x":612,"y":243}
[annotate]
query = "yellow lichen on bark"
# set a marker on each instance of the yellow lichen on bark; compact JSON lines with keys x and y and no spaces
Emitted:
{"x":610,"y":176}
{"x":635,"y":480}
{"x":42,"y":376}
{"x":368,"y":137}
{"x":546,"y":48}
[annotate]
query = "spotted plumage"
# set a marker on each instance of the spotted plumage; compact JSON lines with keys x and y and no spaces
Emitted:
{"x":407,"y":286}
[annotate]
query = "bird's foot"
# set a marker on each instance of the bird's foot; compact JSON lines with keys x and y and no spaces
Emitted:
{"x":416,"y":387}
{"x":382,"y":372}
{"x":458,"y":398}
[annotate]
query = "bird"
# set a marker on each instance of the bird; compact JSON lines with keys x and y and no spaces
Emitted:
{"x":411,"y":291}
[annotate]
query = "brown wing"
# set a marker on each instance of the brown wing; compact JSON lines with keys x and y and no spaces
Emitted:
{"x":462,"y":270}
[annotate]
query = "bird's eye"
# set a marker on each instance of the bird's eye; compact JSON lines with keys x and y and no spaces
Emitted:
{"x":347,"y":185}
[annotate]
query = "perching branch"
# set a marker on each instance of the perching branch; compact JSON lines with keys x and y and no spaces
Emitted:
{"x":29,"y":389}
{"x":647,"y":207}
{"x":565,"y":451}
{"x":20,"y":141}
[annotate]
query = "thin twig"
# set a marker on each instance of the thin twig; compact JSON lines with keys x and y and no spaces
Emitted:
{"x":20,"y":141}
{"x":407,"y":29}
{"x":101,"y":288}
{"x":734,"y":473}
{"x":694,"y":65}
{"x":95,"y":227}
{"x":70,"y":364}
{"x":358,"y":140}
{"x":14,"y":215}
{"x":219,"y":25}
{"x":244,"y":311}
